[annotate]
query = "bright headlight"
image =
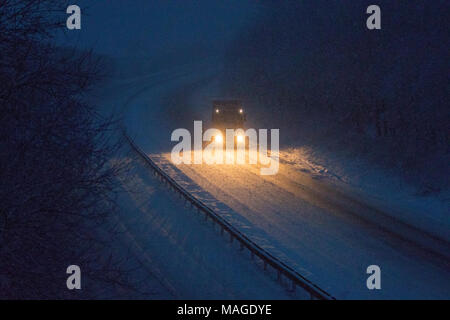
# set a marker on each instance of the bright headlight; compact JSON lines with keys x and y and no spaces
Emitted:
{"x":240,"y":138}
{"x":218,"y":138}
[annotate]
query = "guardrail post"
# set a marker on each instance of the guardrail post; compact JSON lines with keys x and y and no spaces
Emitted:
{"x":293,"y":286}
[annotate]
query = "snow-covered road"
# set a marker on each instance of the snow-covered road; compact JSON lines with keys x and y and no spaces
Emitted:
{"x":323,"y":234}
{"x":326,"y":233}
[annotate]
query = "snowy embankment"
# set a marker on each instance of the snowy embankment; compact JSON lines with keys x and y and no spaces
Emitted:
{"x":388,"y":192}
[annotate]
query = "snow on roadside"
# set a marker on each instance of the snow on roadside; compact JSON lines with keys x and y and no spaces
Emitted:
{"x":376,"y":186}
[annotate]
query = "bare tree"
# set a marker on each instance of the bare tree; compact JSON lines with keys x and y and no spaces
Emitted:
{"x":58,"y":183}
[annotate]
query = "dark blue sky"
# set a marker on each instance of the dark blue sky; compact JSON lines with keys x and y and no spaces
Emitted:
{"x":121,"y":27}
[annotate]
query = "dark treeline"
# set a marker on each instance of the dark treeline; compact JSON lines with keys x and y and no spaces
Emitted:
{"x":313,"y":69}
{"x":57,"y":183}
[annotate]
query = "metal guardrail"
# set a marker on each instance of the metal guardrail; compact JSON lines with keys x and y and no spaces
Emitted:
{"x":281,"y":268}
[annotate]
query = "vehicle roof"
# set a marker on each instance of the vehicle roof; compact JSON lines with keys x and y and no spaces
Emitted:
{"x":227,"y":103}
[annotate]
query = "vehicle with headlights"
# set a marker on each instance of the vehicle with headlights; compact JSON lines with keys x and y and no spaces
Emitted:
{"x":228,"y":114}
